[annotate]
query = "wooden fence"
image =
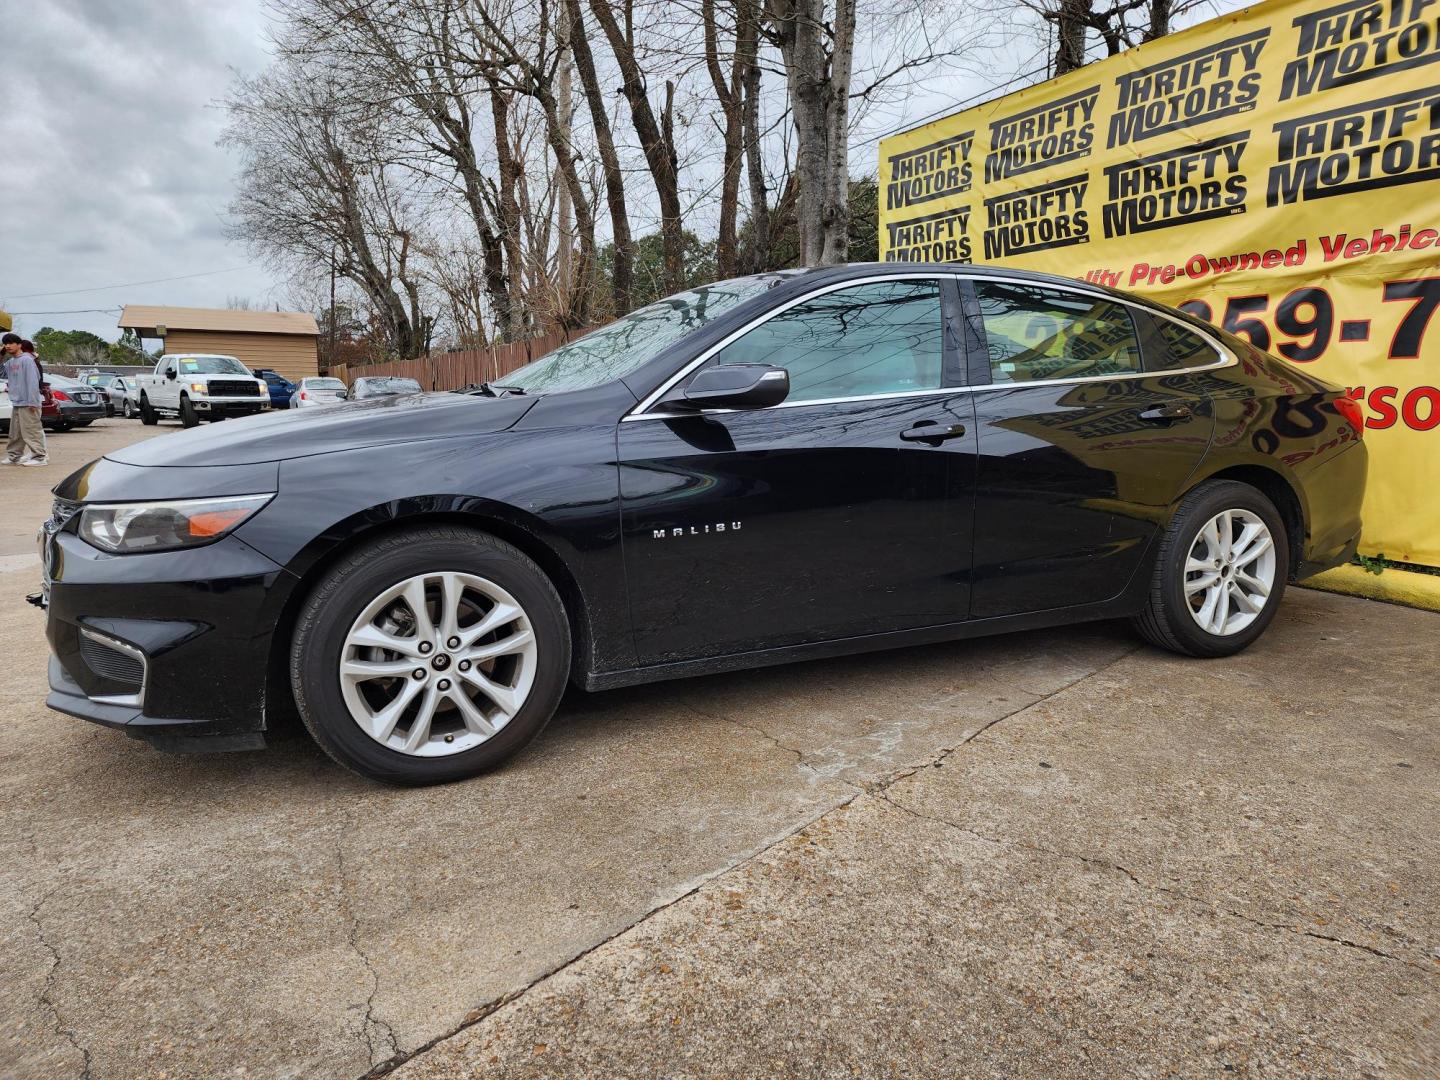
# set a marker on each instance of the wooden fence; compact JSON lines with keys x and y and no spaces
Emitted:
{"x":452,"y":370}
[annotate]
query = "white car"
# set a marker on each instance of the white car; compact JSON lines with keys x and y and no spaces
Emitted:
{"x":318,"y":390}
{"x":4,"y":407}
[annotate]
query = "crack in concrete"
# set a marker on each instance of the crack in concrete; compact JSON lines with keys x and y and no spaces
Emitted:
{"x":477,"y":1015}
{"x":353,"y":937}
{"x":1107,"y":864}
{"x":45,"y":998}
{"x":800,"y":758}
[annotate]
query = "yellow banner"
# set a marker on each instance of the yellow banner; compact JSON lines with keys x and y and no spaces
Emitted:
{"x":1276,"y":171}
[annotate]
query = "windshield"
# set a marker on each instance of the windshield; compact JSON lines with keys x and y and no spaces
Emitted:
{"x":324,"y":384}
{"x":211,"y":365}
{"x":614,"y":351}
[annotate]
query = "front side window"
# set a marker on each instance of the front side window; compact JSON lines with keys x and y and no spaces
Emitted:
{"x":1034,"y":334}
{"x":881,"y":338}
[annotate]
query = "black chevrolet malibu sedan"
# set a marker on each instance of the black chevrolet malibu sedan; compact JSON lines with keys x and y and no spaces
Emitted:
{"x":762,"y":470}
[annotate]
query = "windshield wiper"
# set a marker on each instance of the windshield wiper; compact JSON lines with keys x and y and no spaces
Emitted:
{"x":489,"y":389}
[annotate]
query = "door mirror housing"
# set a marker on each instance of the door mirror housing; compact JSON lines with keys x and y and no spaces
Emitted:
{"x":738,"y":386}
{"x":170,"y":373}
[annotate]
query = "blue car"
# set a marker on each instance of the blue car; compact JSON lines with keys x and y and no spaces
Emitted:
{"x":281,"y":388}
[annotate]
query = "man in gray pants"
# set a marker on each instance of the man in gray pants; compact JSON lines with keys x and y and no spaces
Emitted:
{"x":27,"y":437}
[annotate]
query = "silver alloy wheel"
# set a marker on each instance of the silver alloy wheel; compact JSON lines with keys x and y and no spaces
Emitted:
{"x":1229,"y":572}
{"x":438,"y":663}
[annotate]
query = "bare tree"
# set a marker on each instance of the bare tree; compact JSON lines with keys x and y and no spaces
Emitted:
{"x":657,"y":137}
{"x":819,"y":59}
{"x":623,"y":271}
{"x":1120,"y":25}
{"x":313,"y":189}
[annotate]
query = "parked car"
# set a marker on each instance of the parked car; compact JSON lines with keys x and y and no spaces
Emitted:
{"x":124,"y":396}
{"x":111,"y":389}
{"x":790,"y":465}
{"x":382,"y":386}
{"x":318,"y":390}
{"x":194,"y":387}
{"x":49,"y":410}
{"x":78,"y":404}
{"x":281,"y":388}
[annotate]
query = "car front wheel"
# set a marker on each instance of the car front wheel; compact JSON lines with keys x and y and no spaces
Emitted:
{"x":429,"y":656}
{"x":1220,"y":572}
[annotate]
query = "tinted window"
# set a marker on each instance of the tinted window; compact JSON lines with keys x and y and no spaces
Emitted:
{"x":881,"y":338}
{"x":1034,"y":333}
{"x":1181,"y":347}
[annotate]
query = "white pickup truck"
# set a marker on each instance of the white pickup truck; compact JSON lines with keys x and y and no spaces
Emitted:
{"x":197,"y":386}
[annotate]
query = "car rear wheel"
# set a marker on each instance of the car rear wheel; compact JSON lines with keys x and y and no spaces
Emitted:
{"x":187,"y":413}
{"x":429,"y":656}
{"x":1220,"y":572}
{"x":148,"y":416}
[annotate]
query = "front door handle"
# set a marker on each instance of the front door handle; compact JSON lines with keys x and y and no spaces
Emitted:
{"x":929,"y":431}
{"x":1162,"y":414}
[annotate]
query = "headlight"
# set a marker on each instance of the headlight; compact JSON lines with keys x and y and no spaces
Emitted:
{"x":128,"y":528}
{"x":199,"y":388}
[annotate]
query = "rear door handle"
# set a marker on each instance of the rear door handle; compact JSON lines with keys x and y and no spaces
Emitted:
{"x":929,"y":431}
{"x":1163,"y":413}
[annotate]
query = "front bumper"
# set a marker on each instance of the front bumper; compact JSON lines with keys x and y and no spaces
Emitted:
{"x":171,"y":647}
{"x":207,"y":406}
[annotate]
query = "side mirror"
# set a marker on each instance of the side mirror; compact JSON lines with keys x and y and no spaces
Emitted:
{"x":170,"y":373}
{"x":738,"y":386}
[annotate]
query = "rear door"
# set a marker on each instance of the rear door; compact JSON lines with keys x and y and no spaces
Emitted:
{"x":843,"y":512}
{"x":1086,"y":436}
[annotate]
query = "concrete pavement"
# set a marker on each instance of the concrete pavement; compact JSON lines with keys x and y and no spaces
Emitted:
{"x":1051,"y":853}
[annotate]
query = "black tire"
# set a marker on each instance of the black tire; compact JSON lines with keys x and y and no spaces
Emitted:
{"x":337,"y":600}
{"x":148,"y":416}
{"x":128,"y":409}
{"x":1166,"y":620}
{"x":187,"y":413}
{"x":64,"y":425}
{"x":83,"y":423}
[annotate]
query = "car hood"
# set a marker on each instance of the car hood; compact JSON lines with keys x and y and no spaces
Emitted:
{"x":299,"y":433}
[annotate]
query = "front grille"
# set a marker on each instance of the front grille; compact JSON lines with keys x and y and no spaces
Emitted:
{"x":233,"y":388}
{"x":110,"y":663}
{"x":62,"y":510}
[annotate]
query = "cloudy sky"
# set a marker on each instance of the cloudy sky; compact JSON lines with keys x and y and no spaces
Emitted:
{"x":112,"y":175}
{"x":112,"y":178}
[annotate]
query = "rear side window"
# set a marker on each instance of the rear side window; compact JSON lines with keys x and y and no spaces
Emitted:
{"x":1181,"y":347}
{"x":881,"y":338}
{"x":1035,"y":334}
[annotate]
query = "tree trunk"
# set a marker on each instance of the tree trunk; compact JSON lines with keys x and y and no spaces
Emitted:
{"x":747,"y":42}
{"x":659,"y":151}
{"x":512,"y":314}
{"x":564,"y":211}
{"x":819,"y":84}
{"x":728,"y":91}
{"x":623,"y":274}
{"x":1071,"y":18}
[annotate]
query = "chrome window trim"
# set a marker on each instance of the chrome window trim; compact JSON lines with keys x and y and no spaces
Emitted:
{"x":135,"y":700}
{"x":1224,"y":357}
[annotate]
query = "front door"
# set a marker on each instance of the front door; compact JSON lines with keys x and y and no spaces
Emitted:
{"x":843,"y":512}
{"x":1084,"y":443}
